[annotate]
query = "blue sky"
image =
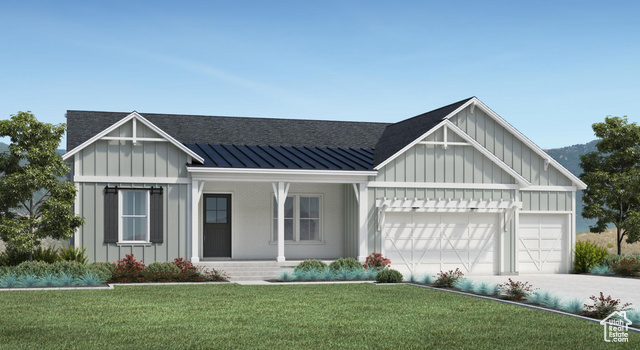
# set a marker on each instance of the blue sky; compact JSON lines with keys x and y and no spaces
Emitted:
{"x":550,"y":68}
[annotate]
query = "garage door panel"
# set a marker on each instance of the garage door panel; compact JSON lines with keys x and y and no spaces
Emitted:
{"x":543,"y":243}
{"x":442,"y":241}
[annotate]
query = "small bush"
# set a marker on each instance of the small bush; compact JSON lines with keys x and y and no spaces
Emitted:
{"x":611,"y":259}
{"x":9,"y":281}
{"x":389,"y":276}
{"x":311,"y":264}
{"x":587,"y":255}
{"x":49,"y":280}
{"x":286,"y":276}
{"x":573,"y":306}
{"x":71,"y":253}
{"x":484,"y":288}
{"x":447,"y":279}
{"x":515,"y":290}
{"x":13,"y":257}
{"x":36,"y":268}
{"x":345,"y":263}
{"x":376,"y":261}
{"x":184,"y":265}
{"x":160,"y":272}
{"x":464,"y":285}
{"x":603,"y":306}
{"x":127,"y":270}
{"x":626,"y":267}
{"x":601,"y":270}
{"x":544,"y":298}
{"x":101,"y":269}
{"x":90,"y":279}
{"x":634,"y":317}
{"x":67,"y":280}
{"x":28,"y":281}
{"x":428,"y":279}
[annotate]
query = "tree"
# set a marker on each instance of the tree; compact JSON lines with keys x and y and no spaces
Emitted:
{"x":612,"y":174}
{"x":34,"y":203}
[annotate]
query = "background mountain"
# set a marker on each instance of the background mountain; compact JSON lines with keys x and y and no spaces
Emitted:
{"x":569,"y":157}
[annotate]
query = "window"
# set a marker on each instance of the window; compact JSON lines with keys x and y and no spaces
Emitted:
{"x":216,"y":210}
{"x":134,"y":216}
{"x":301,"y":218}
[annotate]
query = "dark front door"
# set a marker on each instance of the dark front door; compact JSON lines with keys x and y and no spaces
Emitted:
{"x":217,"y":226}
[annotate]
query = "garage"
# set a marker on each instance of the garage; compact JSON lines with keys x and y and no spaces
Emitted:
{"x":428,"y":242}
{"x":543,"y":243}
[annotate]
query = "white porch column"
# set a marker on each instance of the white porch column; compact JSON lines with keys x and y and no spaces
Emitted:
{"x":363,"y":229}
{"x":280,"y":192}
{"x":516,"y":234}
{"x":196,"y":193}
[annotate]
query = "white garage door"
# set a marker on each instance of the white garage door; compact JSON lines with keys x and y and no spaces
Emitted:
{"x":432,"y":242}
{"x":543,"y":243}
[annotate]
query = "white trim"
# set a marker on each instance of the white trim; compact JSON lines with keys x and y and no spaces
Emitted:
{"x":516,"y":235}
{"x":524,"y":182}
{"x":472,"y":204}
{"x":76,"y":210}
{"x":209,"y":170}
{"x":195,"y":223}
{"x":138,"y":117}
{"x":451,"y":185}
{"x":135,"y":131}
{"x":356,"y":191}
{"x":579,"y":184}
{"x":134,"y":139}
{"x":296,"y":217}
{"x":133,"y":179}
{"x":550,"y":188}
{"x":565,"y":212}
{"x":363,"y":222}
{"x":440,"y":143}
{"x":573,"y":231}
{"x":147,"y":215}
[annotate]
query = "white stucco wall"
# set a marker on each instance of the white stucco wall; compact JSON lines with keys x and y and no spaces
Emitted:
{"x":252,"y":220}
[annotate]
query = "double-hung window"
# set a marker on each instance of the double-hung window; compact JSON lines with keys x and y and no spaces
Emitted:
{"x":301,"y":218}
{"x":134,"y":216}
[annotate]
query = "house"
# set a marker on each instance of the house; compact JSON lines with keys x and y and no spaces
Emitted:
{"x":456,"y":187}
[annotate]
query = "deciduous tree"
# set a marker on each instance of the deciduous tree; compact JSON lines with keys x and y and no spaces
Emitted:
{"x":612,"y":174}
{"x":34,"y":202}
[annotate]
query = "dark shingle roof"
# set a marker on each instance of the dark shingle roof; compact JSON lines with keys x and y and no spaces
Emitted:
{"x":285,"y":143}
{"x":83,"y":125}
{"x":397,"y":136}
{"x":279,"y":157}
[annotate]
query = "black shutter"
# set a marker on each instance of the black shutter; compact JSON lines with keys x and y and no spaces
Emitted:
{"x":110,"y":214}
{"x":155,"y":209}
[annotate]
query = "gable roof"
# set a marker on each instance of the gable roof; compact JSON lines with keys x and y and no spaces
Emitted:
{"x":83,"y":125}
{"x":136,"y":117}
{"x":397,"y":136}
{"x":282,"y":157}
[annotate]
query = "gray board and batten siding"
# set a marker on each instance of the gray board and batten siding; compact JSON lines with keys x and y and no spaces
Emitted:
{"x":464,"y":164}
{"x":146,"y":159}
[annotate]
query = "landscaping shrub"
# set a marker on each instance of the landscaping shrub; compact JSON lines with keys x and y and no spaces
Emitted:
{"x":587,"y":255}
{"x":484,"y":288}
{"x":311,"y":264}
{"x":101,"y":269}
{"x":603,"y":306}
{"x":12,"y":257}
{"x":213,"y":275}
{"x":447,"y":279}
{"x":160,"y":272}
{"x":346,"y":263}
{"x":71,"y":253}
{"x":544,"y":298}
{"x":127,"y":270}
{"x":9,"y":281}
{"x":515,"y":290}
{"x":427,"y":279}
{"x":573,"y":306}
{"x":464,"y":285}
{"x":627,"y":266}
{"x":601,"y":270}
{"x":376,"y":261}
{"x":184,"y":265}
{"x":389,"y":276}
{"x":614,"y":258}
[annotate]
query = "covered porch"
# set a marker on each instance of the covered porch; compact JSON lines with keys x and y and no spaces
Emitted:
{"x":256,"y":216}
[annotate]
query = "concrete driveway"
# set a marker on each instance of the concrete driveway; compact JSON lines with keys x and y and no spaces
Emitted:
{"x":578,"y":286}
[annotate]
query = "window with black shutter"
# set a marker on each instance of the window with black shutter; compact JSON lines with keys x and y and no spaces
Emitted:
{"x":133,"y":215}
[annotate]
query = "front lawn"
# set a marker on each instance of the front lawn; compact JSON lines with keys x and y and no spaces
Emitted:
{"x":290,"y":316}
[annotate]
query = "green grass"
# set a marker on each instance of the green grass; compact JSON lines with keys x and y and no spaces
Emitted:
{"x":291,"y":316}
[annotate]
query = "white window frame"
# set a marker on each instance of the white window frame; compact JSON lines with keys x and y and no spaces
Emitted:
{"x":120,"y":205}
{"x":296,"y":219}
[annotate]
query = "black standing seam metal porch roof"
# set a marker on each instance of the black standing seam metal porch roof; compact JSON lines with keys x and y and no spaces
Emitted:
{"x":283,"y":157}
